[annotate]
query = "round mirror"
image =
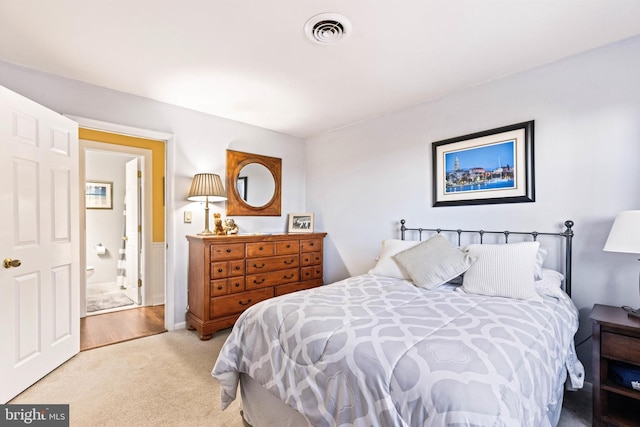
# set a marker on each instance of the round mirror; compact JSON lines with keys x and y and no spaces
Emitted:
{"x":256,"y":185}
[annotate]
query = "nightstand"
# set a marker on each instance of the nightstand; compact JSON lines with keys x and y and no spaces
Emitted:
{"x":616,"y":338}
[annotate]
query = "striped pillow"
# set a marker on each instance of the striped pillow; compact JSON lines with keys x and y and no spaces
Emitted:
{"x":505,"y":270}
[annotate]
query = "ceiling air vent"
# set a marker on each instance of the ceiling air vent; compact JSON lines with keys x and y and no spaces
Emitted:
{"x":327,"y":28}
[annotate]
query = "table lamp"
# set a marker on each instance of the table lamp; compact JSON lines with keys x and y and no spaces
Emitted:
{"x":207,"y":188}
{"x":625,"y":236}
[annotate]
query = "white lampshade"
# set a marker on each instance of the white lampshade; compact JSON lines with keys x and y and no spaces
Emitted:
{"x":625,"y":233}
{"x":207,"y":187}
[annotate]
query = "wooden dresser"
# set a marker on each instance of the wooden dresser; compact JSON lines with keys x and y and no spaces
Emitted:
{"x":228,"y":274}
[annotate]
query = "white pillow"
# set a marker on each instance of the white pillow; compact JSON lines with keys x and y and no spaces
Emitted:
{"x":505,"y":270}
{"x":433,"y":262}
{"x":550,"y":284}
{"x":551,"y":277}
{"x":385,"y":265}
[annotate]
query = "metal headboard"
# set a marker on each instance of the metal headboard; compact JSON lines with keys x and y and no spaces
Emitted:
{"x":567,"y":234}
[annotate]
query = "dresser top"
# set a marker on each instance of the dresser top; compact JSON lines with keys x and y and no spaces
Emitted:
{"x":239,"y":238}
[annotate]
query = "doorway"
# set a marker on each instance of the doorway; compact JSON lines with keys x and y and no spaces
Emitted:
{"x":114,"y":228}
{"x":103,"y":158}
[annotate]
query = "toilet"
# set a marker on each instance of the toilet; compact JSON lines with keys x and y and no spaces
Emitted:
{"x":90,"y":271}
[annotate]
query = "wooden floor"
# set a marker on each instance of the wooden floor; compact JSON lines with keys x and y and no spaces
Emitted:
{"x":124,"y":325}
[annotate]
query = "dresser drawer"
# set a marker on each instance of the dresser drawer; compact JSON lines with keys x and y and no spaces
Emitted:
{"x":260,"y":249}
{"x":237,"y":303}
{"x":313,"y":272}
{"x":227,"y":268}
{"x":265,"y":265}
{"x":227,"y":286}
{"x":311,"y":258}
{"x":219,"y":287}
{"x":287,"y":247}
{"x":620,"y":347}
{"x":227,"y":251}
{"x":310,"y":245}
{"x":294,"y":287}
{"x":255,"y":281}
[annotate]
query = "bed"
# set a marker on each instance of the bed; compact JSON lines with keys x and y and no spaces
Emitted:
{"x":451,"y":328}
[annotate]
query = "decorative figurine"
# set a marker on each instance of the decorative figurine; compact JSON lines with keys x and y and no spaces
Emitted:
{"x":217,"y":221}
{"x":230,"y":226}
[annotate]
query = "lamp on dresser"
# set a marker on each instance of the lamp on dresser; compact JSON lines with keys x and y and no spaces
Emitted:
{"x":625,"y":236}
{"x":206,"y":188}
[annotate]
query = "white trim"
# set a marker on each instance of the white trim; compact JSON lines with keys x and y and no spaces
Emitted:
{"x":169,"y":139}
{"x":122,"y":129}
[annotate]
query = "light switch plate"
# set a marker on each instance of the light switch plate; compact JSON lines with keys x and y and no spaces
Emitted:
{"x":187,"y":217}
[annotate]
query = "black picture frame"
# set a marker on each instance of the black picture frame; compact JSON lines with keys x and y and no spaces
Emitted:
{"x":488,"y":167}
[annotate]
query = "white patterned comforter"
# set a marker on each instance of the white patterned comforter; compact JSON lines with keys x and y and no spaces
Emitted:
{"x":376,"y":351}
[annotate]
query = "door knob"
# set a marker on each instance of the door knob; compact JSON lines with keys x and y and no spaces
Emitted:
{"x":8,"y":263}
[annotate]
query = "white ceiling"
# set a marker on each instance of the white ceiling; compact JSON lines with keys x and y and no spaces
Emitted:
{"x":249,"y":60}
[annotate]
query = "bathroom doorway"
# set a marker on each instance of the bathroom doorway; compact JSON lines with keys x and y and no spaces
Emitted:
{"x":157,"y":292}
{"x":115,"y":228}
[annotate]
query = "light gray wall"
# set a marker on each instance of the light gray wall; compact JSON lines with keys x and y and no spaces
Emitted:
{"x":200,"y":144}
{"x":363,"y":179}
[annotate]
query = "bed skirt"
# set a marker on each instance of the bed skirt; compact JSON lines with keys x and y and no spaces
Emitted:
{"x":261,"y":408}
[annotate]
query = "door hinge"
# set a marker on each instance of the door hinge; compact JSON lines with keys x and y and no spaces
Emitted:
{"x":139,"y":229}
{"x":139,"y":283}
{"x":139,"y":174}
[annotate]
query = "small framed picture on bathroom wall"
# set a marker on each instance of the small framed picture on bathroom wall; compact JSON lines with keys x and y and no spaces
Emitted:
{"x":98,"y":195}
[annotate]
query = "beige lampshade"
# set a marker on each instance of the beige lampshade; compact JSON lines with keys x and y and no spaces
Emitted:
{"x":625,"y":233}
{"x":206,"y":187}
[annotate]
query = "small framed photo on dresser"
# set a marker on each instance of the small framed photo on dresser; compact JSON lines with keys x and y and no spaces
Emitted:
{"x":301,"y":222}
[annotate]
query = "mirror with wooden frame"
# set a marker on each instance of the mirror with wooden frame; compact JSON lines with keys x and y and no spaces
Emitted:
{"x":254,"y":184}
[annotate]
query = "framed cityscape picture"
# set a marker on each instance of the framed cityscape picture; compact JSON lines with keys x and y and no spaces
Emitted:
{"x":493,"y":166}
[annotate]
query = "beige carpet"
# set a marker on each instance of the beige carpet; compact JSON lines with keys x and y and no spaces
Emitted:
{"x":162,"y":380}
{"x":165,"y":380}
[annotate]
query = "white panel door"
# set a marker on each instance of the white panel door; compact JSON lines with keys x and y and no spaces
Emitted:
{"x":133,"y":230}
{"x":39,"y":208}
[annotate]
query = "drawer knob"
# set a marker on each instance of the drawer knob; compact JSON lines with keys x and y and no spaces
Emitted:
{"x":289,"y":261}
{"x":289,"y":276}
{"x":258,"y":266}
{"x":258,"y":282}
{"x":237,"y":267}
{"x":228,"y":250}
{"x":220,"y":270}
{"x":237,"y":285}
{"x":245,"y":303}
{"x":261,"y":248}
{"x":288,"y":246}
{"x":219,"y":288}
